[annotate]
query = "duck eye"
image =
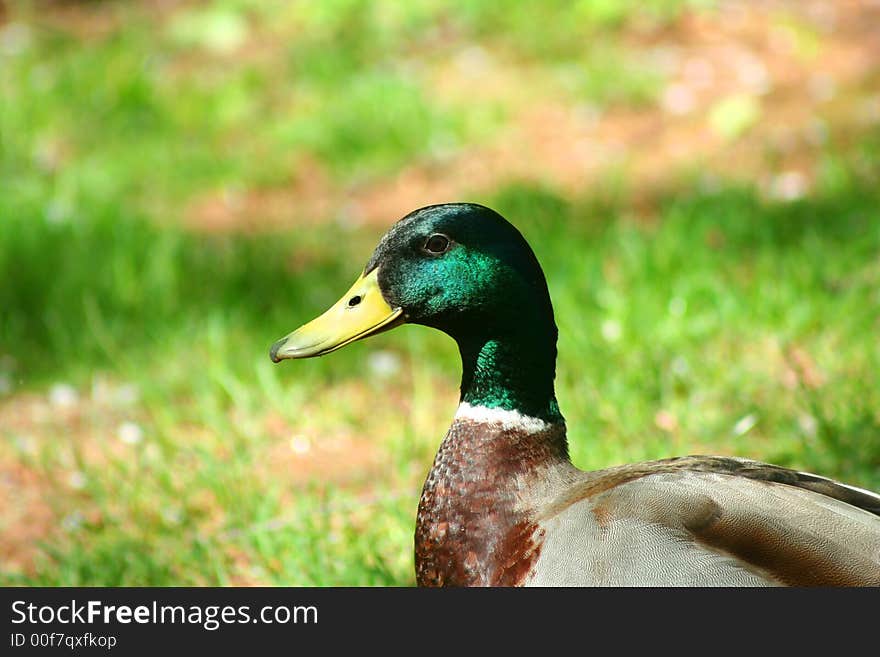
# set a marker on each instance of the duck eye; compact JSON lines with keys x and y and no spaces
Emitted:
{"x":437,"y":244}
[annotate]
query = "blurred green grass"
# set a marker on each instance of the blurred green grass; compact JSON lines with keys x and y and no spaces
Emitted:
{"x":727,"y":324}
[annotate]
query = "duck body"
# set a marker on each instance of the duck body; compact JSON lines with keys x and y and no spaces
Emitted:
{"x":504,"y":506}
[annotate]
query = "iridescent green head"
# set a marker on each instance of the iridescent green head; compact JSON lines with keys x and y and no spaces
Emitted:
{"x":461,"y":268}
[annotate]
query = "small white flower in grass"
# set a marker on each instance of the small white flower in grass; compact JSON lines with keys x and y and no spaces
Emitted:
{"x":745,"y":424}
{"x":677,"y":307}
{"x":611,"y":330}
{"x":172,"y":515}
{"x":666,"y":421}
{"x":72,"y":521}
{"x":679,"y":366}
{"x":808,"y":424}
{"x":384,"y":364}
{"x":789,"y":186}
{"x":130,"y":433}
{"x":77,"y":480}
{"x":299,"y":444}
{"x":442,"y":145}
{"x":678,"y":99}
{"x":63,"y":395}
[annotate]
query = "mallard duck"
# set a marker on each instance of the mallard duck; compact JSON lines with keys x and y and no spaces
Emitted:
{"x":504,"y":506}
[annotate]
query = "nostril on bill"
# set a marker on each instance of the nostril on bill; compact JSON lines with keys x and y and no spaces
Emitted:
{"x":355,"y":300}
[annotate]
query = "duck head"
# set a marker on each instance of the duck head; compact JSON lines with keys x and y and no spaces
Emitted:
{"x":465,"y":270}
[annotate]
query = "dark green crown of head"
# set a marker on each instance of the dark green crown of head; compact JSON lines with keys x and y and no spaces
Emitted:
{"x":489,"y":271}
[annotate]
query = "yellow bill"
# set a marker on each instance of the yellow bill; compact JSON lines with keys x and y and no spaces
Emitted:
{"x":361,"y":312}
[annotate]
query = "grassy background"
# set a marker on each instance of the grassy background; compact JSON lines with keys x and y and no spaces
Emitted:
{"x":146,"y":437}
